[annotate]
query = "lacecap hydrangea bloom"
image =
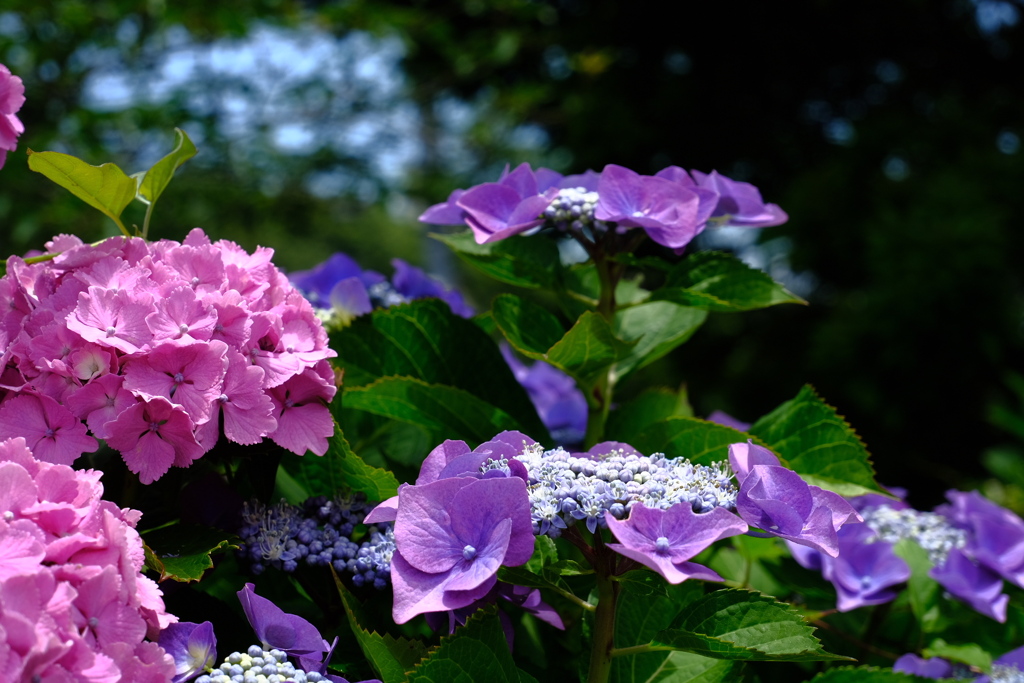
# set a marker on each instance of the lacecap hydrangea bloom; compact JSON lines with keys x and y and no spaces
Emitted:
{"x":12,"y":96}
{"x":463,"y":518}
{"x":159,"y":348}
{"x":1007,"y":668}
{"x":671,"y":207}
{"x":973,"y":545}
{"x":75,"y":605}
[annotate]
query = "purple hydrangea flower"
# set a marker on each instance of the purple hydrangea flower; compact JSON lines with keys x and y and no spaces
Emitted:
{"x":935,"y":667}
{"x":318,"y":282}
{"x":527,"y":598}
{"x":777,"y":500}
{"x":447,"y":212}
{"x":1005,"y":669}
{"x":740,"y":203}
{"x":665,"y":539}
{"x":559,"y":402}
{"x":454,"y":458}
{"x":966,"y":554}
{"x":996,"y":534}
{"x":668,"y":211}
{"x":508,"y":207}
{"x":451,"y":536}
{"x":723,"y":418}
{"x":281,"y":631}
{"x":193,"y":647}
{"x":1008,"y":667}
{"x":864,"y":573}
{"x":413,"y":283}
{"x":341,"y":289}
{"x":974,"y":583}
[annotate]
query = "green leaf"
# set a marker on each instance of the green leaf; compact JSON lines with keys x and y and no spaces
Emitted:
{"x":587,"y":349}
{"x":531,"y":263}
{"x":156,"y":179}
{"x":630,"y":419}
{"x":545,"y":552}
{"x":475,"y":653}
{"x":736,"y":624}
{"x":717,"y":281}
{"x":701,"y":441}
{"x":923,"y":590}
{"x":543,"y":570}
{"x":105,"y":187}
{"x":865,"y":674}
{"x":750,"y":562}
{"x":584,"y":282}
{"x":390,"y":657}
{"x":818,"y":444}
{"x":339,"y":469}
{"x":970,"y":654}
{"x":446,"y":411}
{"x":530,"y":328}
{"x":686,"y":667}
{"x":646,"y":606}
{"x":182,"y":551}
{"x":425,"y":340}
{"x":657,"y":327}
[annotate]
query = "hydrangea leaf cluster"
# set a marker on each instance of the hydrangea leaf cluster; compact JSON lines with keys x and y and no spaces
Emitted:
{"x":12,"y":96}
{"x":320,"y":532}
{"x":671,"y":207}
{"x":75,"y":605}
{"x":158,"y":348}
{"x":973,"y":544}
{"x":340,"y":290}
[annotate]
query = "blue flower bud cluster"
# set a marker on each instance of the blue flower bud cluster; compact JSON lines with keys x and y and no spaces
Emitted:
{"x":565,"y":489}
{"x":573,"y":209}
{"x":1006,"y":673}
{"x":384,"y":295}
{"x":930,"y":530}
{"x":257,"y":665}
{"x":320,"y":533}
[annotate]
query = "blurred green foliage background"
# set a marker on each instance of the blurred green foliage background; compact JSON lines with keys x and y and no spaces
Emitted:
{"x":889,"y":131}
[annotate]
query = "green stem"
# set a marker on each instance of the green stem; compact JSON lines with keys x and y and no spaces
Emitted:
{"x":604,"y":616}
{"x":600,"y":400}
{"x":145,"y":221}
{"x":640,"y":649}
{"x":579,"y":602}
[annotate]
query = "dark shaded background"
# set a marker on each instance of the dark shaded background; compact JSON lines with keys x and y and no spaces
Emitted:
{"x":889,"y":131}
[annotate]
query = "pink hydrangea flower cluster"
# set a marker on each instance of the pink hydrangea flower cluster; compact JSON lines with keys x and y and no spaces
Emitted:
{"x":75,"y":606}
{"x":158,"y":348}
{"x":12,"y":96}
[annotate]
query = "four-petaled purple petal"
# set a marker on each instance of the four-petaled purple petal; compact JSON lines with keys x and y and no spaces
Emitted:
{"x":192,"y":646}
{"x":665,"y":539}
{"x":780,"y":502}
{"x":451,"y":537}
{"x":286,"y":632}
